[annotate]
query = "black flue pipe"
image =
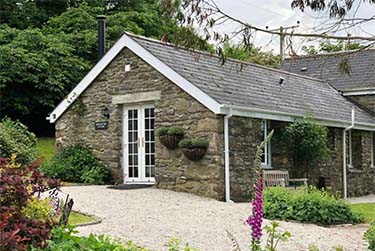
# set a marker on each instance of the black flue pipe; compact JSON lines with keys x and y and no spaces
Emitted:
{"x":101,"y":35}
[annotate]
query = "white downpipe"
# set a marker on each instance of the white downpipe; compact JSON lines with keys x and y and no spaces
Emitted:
{"x":344,"y":154}
{"x":226,"y":156}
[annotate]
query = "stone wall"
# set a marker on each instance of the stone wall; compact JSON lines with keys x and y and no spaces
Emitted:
{"x":360,"y":178}
{"x":367,"y":101}
{"x":175,"y":108}
{"x":244,"y":137}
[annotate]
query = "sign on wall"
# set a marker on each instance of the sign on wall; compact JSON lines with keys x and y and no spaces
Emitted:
{"x":101,"y":125}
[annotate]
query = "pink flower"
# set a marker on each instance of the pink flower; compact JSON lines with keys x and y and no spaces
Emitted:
{"x":256,"y":219}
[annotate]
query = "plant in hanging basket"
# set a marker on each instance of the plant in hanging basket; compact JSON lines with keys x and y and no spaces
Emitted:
{"x":170,"y":136}
{"x":194,"y":149}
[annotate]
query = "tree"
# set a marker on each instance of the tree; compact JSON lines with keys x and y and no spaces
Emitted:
{"x":36,"y":70}
{"x":40,"y":64}
{"x":253,"y":55}
{"x":208,"y":16}
{"x":327,"y":47}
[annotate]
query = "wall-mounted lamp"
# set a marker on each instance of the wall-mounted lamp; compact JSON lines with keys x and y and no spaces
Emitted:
{"x":105,"y":112}
{"x":281,"y":81}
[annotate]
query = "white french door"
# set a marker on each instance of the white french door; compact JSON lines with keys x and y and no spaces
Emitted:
{"x":139,"y":144}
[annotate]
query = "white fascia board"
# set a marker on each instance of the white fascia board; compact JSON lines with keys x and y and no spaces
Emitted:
{"x":289,"y":117}
{"x":86,"y":81}
{"x":127,"y":41}
{"x":358,"y":92}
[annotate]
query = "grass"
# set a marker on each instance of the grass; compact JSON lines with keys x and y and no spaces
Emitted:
{"x":46,"y":148}
{"x":367,"y":209}
{"x":76,"y":218}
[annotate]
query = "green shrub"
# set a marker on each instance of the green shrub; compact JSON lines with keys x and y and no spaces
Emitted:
{"x":190,"y":143}
{"x":276,"y":203}
{"x":199,"y":142}
{"x":77,"y":164}
{"x":162,"y":131}
{"x":169,"y":131}
{"x":16,"y":139}
{"x":370,"y":237}
{"x":306,"y":140}
{"x":313,"y":206}
{"x":64,"y":239}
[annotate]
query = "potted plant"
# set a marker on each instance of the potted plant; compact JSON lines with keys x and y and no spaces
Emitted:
{"x":194,"y":149}
{"x":170,"y":136}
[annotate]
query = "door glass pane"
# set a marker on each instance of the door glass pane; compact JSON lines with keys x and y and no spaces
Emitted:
{"x":132,"y":143}
{"x":149,"y":143}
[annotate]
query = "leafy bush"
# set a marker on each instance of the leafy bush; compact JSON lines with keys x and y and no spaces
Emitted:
{"x":38,"y":209}
{"x":313,"y":206}
{"x":169,"y":131}
{"x":77,"y":164}
{"x":64,"y":239}
{"x":16,"y":139}
{"x":370,"y":237}
{"x":307,"y":140}
{"x":18,"y":187}
{"x":191,"y":143}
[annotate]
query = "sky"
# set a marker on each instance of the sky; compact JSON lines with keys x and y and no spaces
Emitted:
{"x":276,"y":13}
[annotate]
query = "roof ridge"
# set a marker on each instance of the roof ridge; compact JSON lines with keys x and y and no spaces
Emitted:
{"x":327,"y":54}
{"x":229,"y":59}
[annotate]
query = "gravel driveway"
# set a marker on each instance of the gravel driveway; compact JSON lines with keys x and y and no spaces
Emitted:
{"x":150,"y":217}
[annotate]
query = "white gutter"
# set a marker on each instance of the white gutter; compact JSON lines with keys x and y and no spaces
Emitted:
{"x":226,"y":155}
{"x":288,"y":117}
{"x":344,"y":154}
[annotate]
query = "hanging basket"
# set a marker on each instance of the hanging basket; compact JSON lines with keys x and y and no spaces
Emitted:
{"x":170,"y":141}
{"x":195,"y":153}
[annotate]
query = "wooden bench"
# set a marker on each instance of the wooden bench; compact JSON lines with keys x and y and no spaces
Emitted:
{"x":272,"y":178}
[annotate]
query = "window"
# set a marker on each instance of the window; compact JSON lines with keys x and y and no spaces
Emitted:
{"x":373,"y":149}
{"x":349,"y":150}
{"x":266,"y":158}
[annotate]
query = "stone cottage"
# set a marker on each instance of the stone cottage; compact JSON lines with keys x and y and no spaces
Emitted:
{"x":142,"y":84}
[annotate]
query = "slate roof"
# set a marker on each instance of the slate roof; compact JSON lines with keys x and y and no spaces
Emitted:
{"x":249,"y":85}
{"x":327,"y":67}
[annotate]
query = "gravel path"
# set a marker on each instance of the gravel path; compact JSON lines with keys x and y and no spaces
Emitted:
{"x":150,"y":217}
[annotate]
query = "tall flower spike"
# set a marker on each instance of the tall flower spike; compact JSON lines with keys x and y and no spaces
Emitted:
{"x":256,"y":219}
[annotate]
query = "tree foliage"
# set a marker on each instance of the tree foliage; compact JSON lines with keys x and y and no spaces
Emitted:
{"x":252,"y":54}
{"x":328,"y":47}
{"x":36,"y":70}
{"x":336,"y":8}
{"x":46,"y":47}
{"x":306,"y":140}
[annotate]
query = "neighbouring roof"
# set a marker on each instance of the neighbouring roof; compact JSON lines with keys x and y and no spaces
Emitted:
{"x":327,"y":67}
{"x":244,"y":89}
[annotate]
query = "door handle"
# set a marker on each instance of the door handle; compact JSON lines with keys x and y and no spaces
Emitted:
{"x":143,"y":142}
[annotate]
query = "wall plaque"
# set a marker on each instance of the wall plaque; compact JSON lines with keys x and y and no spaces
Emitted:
{"x":101,"y":125}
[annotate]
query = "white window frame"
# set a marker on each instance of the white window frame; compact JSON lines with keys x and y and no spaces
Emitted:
{"x":267,"y":147}
{"x":372,"y":148}
{"x":350,"y":148}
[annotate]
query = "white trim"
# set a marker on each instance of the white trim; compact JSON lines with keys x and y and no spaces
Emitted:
{"x":128,"y":42}
{"x":372,"y":148}
{"x":289,"y":117}
{"x":350,"y":146}
{"x":267,"y":147}
{"x":141,"y":151}
{"x":226,"y":156}
{"x":358,"y":92}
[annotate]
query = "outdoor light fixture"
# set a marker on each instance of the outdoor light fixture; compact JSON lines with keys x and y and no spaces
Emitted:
{"x":281,"y":81}
{"x":105,"y":112}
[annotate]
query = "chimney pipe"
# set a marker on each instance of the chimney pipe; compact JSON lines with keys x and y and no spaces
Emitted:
{"x":101,"y":35}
